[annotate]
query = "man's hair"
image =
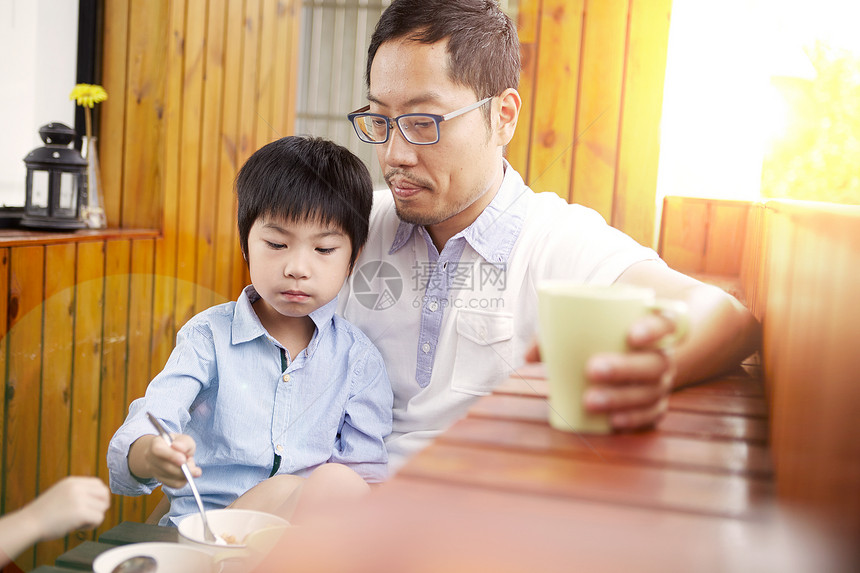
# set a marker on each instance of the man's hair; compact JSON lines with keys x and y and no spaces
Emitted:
{"x":483,"y":48}
{"x":305,"y":179}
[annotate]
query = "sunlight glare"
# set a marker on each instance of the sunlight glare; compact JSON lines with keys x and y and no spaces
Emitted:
{"x":777,"y":116}
{"x":721,"y":112}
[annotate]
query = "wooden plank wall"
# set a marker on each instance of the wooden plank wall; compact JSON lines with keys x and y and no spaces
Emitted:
{"x":592,"y":88}
{"x":195,"y":86}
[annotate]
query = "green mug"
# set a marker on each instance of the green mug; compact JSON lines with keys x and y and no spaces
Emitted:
{"x":578,"y":320}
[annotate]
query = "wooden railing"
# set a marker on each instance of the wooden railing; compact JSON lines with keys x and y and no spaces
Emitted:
{"x":704,"y":236}
{"x":804,"y":287}
{"x":797,"y":265}
{"x":77,"y":345}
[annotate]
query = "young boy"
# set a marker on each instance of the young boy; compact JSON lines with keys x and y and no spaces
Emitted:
{"x":274,"y":385}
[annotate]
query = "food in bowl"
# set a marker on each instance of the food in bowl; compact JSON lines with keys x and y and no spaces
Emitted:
{"x":232,"y":539}
{"x":233,"y":525}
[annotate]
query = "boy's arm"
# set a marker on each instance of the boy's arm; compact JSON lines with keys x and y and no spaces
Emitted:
{"x":367,"y":420}
{"x":136,"y":459}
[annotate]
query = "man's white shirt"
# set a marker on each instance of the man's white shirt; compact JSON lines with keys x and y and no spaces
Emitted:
{"x":452,"y":325}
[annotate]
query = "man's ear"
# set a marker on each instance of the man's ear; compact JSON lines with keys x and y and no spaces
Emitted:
{"x":507,"y":114}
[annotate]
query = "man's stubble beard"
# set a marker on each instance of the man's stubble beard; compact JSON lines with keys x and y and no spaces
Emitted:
{"x":427,"y":219}
{"x":417,"y":217}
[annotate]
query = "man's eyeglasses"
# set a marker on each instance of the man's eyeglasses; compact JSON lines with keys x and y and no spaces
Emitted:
{"x":417,"y":128}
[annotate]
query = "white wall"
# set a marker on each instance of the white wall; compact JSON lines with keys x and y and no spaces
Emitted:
{"x":38,"y":43}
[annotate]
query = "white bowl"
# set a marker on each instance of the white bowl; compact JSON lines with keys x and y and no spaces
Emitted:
{"x":236,"y":523}
{"x":169,"y":557}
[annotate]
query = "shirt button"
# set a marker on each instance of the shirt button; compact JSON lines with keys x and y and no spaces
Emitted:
{"x":433,"y":306}
{"x":425,"y":347}
{"x":286,"y":377}
{"x":280,"y":448}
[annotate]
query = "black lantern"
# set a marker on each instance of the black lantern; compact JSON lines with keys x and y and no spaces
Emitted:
{"x":56,"y":181}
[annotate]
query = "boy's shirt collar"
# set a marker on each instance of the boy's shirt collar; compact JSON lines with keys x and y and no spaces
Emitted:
{"x":247,"y":326}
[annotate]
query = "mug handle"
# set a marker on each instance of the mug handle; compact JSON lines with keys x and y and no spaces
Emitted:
{"x":675,"y":311}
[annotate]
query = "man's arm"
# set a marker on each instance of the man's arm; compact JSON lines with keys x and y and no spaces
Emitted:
{"x":634,"y":387}
{"x":722,"y":331}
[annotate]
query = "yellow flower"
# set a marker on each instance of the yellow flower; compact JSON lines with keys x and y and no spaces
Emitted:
{"x":88,"y":95}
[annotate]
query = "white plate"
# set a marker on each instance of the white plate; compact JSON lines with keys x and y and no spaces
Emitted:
{"x":170,"y":557}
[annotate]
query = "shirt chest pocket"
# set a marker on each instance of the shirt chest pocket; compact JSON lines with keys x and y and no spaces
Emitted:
{"x":484,"y":354}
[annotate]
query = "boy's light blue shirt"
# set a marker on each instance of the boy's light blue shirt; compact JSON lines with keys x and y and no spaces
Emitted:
{"x":225,"y":387}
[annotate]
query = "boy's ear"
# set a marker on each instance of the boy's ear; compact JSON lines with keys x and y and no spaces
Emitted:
{"x":357,"y":254}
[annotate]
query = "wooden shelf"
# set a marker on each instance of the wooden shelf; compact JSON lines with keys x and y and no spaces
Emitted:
{"x":19,"y":237}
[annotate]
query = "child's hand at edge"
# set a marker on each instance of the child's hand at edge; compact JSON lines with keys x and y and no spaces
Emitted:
{"x":70,"y":504}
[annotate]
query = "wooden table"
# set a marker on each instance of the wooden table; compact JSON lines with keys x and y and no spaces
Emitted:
{"x":81,"y":557}
{"x":502,"y":491}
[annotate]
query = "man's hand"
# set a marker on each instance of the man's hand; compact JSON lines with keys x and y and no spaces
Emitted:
{"x":633,"y":387}
{"x":151,"y":457}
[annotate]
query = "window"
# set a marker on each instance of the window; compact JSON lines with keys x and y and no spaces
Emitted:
{"x":332,"y":57}
{"x":37,"y":81}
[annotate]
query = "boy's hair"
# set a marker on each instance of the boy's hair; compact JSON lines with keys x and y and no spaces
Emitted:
{"x":303,"y":179}
{"x":483,"y":47}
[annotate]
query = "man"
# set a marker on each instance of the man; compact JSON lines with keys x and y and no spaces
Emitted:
{"x":446,"y":286}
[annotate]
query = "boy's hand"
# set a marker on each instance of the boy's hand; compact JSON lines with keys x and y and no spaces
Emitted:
{"x":70,"y":504}
{"x":151,"y":457}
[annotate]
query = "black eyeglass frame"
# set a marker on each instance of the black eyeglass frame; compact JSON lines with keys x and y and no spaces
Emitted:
{"x":391,"y":121}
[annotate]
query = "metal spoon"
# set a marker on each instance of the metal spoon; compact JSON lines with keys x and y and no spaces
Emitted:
{"x":207,"y":532}
{"x":137,"y":564}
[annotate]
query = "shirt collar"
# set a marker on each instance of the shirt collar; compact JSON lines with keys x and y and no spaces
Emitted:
{"x":495,"y":231}
{"x":247,"y":325}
